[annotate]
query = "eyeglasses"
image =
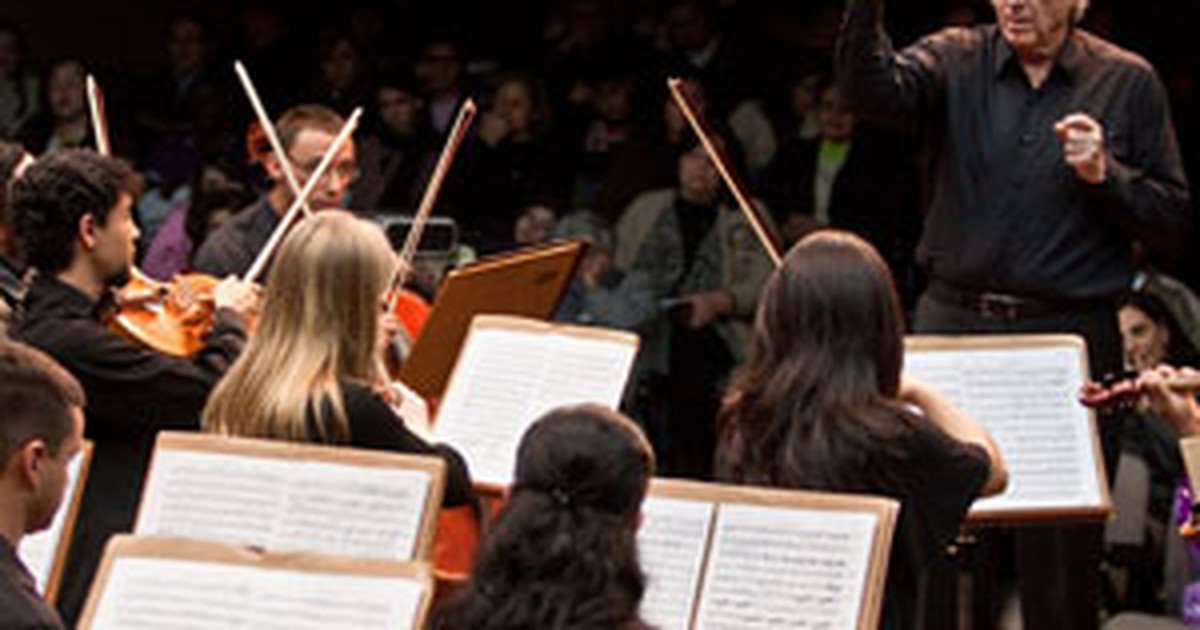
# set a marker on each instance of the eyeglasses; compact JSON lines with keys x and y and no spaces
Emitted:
{"x":346,"y":170}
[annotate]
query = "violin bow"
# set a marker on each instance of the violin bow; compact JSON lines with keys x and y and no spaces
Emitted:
{"x":260,"y":263}
{"x":285,"y":163}
{"x":95,"y":99}
{"x":454,"y":140}
{"x":721,"y":161}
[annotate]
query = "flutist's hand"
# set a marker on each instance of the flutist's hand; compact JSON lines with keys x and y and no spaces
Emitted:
{"x":1082,"y":140}
{"x":1177,"y":407}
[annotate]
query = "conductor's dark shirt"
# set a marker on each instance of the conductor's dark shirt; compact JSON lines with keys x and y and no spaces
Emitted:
{"x":21,"y":608}
{"x":1005,"y":212}
{"x":132,"y":393}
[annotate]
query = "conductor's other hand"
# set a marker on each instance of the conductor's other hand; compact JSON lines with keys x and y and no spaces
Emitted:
{"x":1082,"y":140}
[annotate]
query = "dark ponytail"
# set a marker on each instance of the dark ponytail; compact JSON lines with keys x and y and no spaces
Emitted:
{"x":563,"y":552}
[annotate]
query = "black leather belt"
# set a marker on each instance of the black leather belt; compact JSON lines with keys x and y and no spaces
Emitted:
{"x":1007,"y":307}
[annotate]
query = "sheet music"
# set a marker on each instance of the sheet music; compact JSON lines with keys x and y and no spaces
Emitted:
{"x":507,"y":378}
{"x":774,"y":567}
{"x":154,"y":593}
{"x":285,"y":505}
{"x":37,"y":551}
{"x":672,"y":542}
{"x":1026,"y":397}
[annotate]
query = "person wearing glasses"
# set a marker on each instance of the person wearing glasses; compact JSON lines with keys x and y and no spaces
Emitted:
{"x":306,"y":133}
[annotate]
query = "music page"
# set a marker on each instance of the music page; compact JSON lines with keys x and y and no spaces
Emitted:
{"x":1027,"y":399}
{"x":507,"y":378}
{"x":153,"y":593}
{"x":285,"y":505}
{"x":672,"y":542}
{"x":777,"y":567}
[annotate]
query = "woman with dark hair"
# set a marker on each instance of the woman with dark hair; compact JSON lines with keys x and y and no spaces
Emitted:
{"x":1151,"y":335}
{"x":1148,"y":571}
{"x":822,"y":405}
{"x":563,"y":553}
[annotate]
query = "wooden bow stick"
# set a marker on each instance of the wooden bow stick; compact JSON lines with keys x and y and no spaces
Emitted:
{"x":721,"y":161}
{"x":289,"y":217}
{"x":95,"y":99}
{"x":454,"y":140}
{"x":285,"y":163}
{"x":99,"y":121}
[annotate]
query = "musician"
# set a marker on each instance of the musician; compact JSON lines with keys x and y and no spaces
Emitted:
{"x":563,"y":552}
{"x":1180,"y":414}
{"x":72,"y":213}
{"x":13,"y":162}
{"x":1149,"y":465}
{"x":1048,"y":151}
{"x":821,"y":405}
{"x":41,"y":431}
{"x":306,"y":133}
{"x":312,"y":369}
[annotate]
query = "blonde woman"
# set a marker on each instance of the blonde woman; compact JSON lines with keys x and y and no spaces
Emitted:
{"x":311,"y":369}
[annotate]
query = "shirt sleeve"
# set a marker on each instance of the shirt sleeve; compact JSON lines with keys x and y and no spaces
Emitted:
{"x":1146,"y":190}
{"x":881,"y":83}
{"x":635,"y":298}
{"x":950,"y":476}
{"x":373,"y":424}
{"x":160,"y":389}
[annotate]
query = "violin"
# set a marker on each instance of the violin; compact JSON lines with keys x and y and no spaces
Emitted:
{"x":172,"y":317}
{"x":175,"y":317}
{"x":411,"y":311}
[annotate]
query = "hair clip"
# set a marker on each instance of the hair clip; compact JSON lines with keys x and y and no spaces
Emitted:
{"x":561,"y":497}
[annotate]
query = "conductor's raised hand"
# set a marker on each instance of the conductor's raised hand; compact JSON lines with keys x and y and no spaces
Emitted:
{"x":1082,"y":140}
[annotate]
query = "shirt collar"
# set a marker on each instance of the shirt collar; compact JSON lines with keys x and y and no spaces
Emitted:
{"x":50,"y":292}
{"x":11,"y":563}
{"x":1069,"y":63}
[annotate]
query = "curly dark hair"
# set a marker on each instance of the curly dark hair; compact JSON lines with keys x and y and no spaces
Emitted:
{"x":563,"y":553}
{"x":56,"y":192}
{"x":815,"y":405}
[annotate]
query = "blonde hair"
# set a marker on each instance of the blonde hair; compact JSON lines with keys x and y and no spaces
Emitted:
{"x":319,"y":324}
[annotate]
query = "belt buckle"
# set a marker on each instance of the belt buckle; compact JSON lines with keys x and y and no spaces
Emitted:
{"x":999,"y":306}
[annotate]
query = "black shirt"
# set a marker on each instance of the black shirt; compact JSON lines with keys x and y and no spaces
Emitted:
{"x":233,"y":247}
{"x":374,"y":425}
{"x":1005,"y":211}
{"x":936,"y":489}
{"x":21,"y":608}
{"x":695,"y":222}
{"x":132,"y":393}
{"x":934,"y":477}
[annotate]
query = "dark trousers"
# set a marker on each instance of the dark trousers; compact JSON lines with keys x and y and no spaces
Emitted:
{"x":1057,"y":566}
